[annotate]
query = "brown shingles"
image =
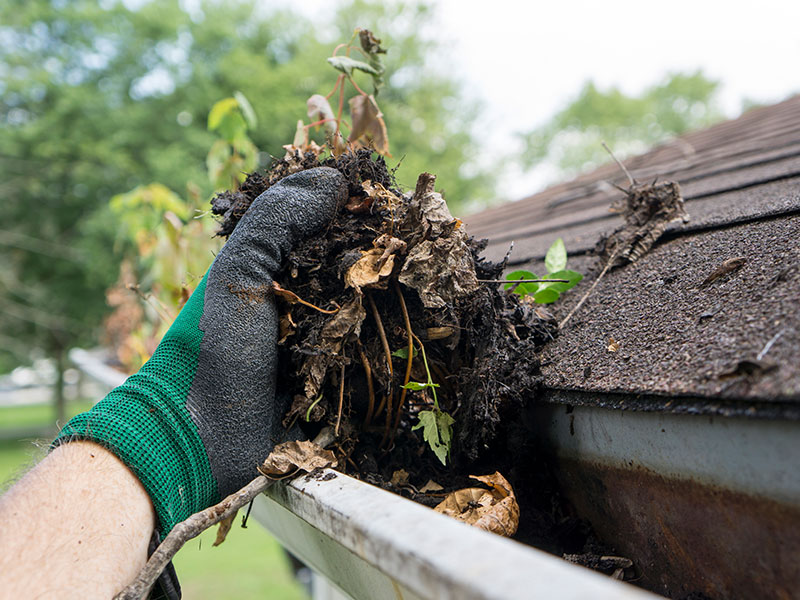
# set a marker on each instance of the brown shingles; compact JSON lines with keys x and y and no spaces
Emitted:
{"x":742,"y":184}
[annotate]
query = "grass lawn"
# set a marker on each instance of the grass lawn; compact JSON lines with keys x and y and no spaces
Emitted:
{"x":250,"y":564}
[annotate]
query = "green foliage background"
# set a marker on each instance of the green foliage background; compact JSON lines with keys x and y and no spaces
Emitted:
{"x":573,"y":138}
{"x":97,"y":99}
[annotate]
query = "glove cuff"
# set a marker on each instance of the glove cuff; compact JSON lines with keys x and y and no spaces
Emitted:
{"x":145,"y":422}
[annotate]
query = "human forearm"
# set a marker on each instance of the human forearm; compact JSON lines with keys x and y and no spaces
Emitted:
{"x":98,"y":521}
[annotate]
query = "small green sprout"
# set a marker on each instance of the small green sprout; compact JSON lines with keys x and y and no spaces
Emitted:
{"x":556,"y":264}
{"x":436,"y":424}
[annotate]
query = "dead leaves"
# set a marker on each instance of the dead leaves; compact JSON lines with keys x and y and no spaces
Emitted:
{"x":440,"y":267}
{"x":290,"y":457}
{"x":495,"y":510}
{"x":647,"y":209}
{"x":368,"y":126}
{"x":376,"y":264}
{"x":344,"y":325}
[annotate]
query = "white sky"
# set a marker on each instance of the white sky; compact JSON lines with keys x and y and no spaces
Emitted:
{"x":527,"y":59}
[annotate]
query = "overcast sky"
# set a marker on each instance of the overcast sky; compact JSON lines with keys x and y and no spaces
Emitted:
{"x":527,"y":59}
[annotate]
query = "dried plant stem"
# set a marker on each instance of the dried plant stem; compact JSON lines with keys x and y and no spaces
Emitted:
{"x":187,"y":530}
{"x":522,"y":280}
{"x":161,"y":310}
{"x":411,"y":337}
{"x":370,"y":388}
{"x":197,"y":524}
{"x":341,"y":402}
{"x":619,"y":163}
{"x":588,"y":292}
{"x":381,"y":334}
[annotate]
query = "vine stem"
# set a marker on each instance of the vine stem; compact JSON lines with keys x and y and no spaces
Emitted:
{"x":588,"y":292}
{"x":370,"y":388}
{"x":408,"y":363}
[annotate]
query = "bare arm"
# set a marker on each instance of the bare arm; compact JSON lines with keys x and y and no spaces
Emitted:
{"x":76,"y":526}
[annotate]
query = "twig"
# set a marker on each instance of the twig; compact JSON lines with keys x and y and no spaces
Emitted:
{"x":341,"y":402}
{"x":769,"y":345}
{"x":588,"y":292}
{"x":381,"y":334}
{"x":161,"y":310}
{"x":370,"y":388}
{"x":522,"y":280}
{"x":408,"y":363}
{"x":187,"y":530}
{"x":292,"y":298}
{"x":197,"y":524}
{"x":621,"y":166}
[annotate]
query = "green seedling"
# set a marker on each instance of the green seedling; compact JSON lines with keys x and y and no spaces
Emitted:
{"x":436,"y":424}
{"x":546,"y":293}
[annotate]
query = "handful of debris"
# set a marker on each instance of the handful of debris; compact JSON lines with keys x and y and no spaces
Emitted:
{"x":387,"y":324}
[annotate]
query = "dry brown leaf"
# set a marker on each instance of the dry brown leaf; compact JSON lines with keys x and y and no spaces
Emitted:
{"x":223,"y":529}
{"x":289,"y":457}
{"x":367,"y":270}
{"x":368,"y":123}
{"x":613,"y":345}
{"x":495,"y":510}
{"x":286,"y":327}
{"x":431,"y":486}
{"x":319,"y":109}
{"x":399,"y":477}
{"x":346,"y":323}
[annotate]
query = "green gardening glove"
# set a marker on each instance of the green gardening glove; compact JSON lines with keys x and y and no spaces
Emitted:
{"x":199,"y":417}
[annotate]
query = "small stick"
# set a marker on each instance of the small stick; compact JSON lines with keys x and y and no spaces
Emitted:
{"x":588,"y":292}
{"x":621,"y":166}
{"x":522,"y":280}
{"x":408,"y":364}
{"x":370,"y":388}
{"x":341,"y":402}
{"x":381,"y":405}
{"x":187,"y":530}
{"x":197,"y":524}
{"x":381,"y":333}
{"x":161,"y":310}
{"x":769,"y":345}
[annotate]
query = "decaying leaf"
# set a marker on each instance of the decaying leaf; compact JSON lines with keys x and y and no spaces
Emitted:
{"x":431,"y":486}
{"x":647,"y":209}
{"x":290,"y":457}
{"x":319,"y":109}
{"x":399,"y":477}
{"x":495,"y":510}
{"x":728,"y":266}
{"x":613,"y":345}
{"x":346,"y":323}
{"x":286,"y":327}
{"x":367,"y":270}
{"x":439,"y":267}
{"x":367,"y":123}
{"x":223,"y":529}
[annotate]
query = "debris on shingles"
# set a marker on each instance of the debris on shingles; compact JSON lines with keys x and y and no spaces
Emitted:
{"x":728,"y":266}
{"x":647,"y":209}
{"x":748,"y":368}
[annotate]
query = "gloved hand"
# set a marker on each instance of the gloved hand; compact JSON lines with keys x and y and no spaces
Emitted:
{"x":201,"y":414}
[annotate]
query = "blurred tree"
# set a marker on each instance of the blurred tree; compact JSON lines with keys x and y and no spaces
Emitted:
{"x":97,"y":99}
{"x":629,"y":125}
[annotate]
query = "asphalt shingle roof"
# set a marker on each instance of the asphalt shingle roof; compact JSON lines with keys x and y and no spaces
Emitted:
{"x":682,"y":345}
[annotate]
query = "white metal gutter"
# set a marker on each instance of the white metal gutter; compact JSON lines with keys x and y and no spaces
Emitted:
{"x":374,"y":545}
